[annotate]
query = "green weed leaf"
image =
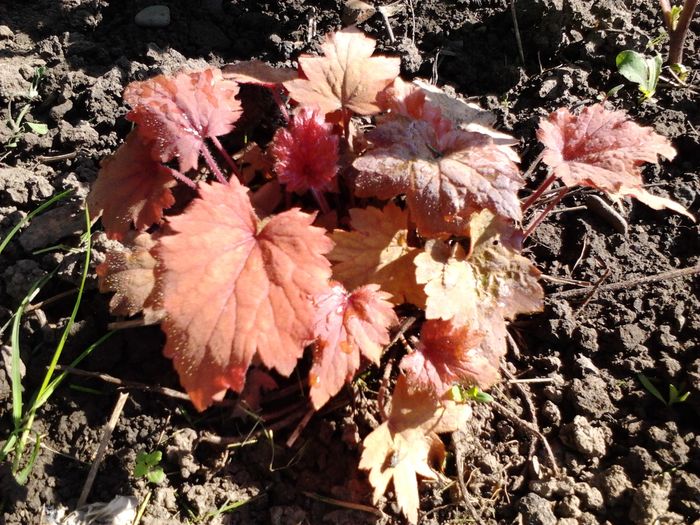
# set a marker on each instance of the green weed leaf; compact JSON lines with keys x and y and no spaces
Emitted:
{"x":640,"y":69}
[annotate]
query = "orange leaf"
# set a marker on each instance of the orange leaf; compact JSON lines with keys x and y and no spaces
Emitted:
{"x":604,"y":150}
{"x":131,"y":188}
{"x":407,"y":444}
{"x":347,"y":76}
{"x":446,"y":177}
{"x":236,"y":289}
{"x":377,"y":251}
{"x":129,"y":273}
{"x":179,"y":113}
{"x":347,"y":325}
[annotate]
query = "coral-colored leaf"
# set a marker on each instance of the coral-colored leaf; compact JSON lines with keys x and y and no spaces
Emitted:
{"x":306,"y":154}
{"x":129,"y":273}
{"x":236,"y":288}
{"x":346,"y":77}
{"x":179,"y":113}
{"x":377,"y":251}
{"x":604,"y":149}
{"x":257,"y":72}
{"x":407,"y":444}
{"x":449,"y":353}
{"x":347,"y":325}
{"x":131,"y":188}
{"x":446,"y":176}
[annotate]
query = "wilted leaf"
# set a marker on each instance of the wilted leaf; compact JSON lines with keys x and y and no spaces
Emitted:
{"x":236,"y":288}
{"x":306,"y":154}
{"x":130,"y":275}
{"x":347,"y":325}
{"x":179,"y":113}
{"x":131,"y":188}
{"x":449,"y":353}
{"x":604,"y":150}
{"x":346,"y":77}
{"x":258,"y":72}
{"x":377,"y":251}
{"x":407,"y":444}
{"x":446,"y":177}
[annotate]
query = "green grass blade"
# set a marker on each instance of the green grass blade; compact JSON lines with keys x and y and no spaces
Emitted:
{"x":31,"y":215}
{"x":74,"y":313}
{"x":651,"y":388}
{"x":24,"y":473}
{"x":15,"y":376}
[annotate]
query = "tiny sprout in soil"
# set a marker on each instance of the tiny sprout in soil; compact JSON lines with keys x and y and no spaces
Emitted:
{"x":148,"y":466}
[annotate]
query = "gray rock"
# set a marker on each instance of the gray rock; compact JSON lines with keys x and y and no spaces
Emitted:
{"x":584,"y":437}
{"x":52,"y":226}
{"x":153,"y":16}
{"x":536,"y":510}
{"x":21,"y":186}
{"x":651,"y":500}
{"x":590,"y":396}
{"x":569,"y":507}
{"x":20,"y":277}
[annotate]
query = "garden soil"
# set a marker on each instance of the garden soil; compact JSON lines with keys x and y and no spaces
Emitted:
{"x":621,"y":455}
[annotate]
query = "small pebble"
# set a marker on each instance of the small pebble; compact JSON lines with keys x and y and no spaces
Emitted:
{"x":6,"y":32}
{"x":153,"y":16}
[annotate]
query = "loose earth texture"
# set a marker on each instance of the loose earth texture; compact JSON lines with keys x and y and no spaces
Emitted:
{"x":622,"y":456}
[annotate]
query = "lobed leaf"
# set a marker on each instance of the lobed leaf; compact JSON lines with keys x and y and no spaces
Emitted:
{"x":179,"y":113}
{"x":306,"y":154}
{"x":449,"y":353}
{"x":129,"y":273}
{"x":346,"y":77}
{"x":407,"y":444}
{"x":377,"y":251}
{"x":446,"y":177}
{"x":260,"y":73}
{"x":131,"y":188}
{"x":604,"y":150}
{"x":347,"y":325}
{"x":237,"y":289}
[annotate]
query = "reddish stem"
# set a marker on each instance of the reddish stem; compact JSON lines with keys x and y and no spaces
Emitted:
{"x":534,"y":224}
{"x":222,"y":151}
{"x":213,"y":166}
{"x":346,"y":125}
{"x":539,"y":191}
{"x":321,"y":200}
{"x":179,"y":176}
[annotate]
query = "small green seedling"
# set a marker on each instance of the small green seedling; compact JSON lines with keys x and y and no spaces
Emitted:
{"x":18,"y":125}
{"x":148,"y":466}
{"x":640,"y":69}
{"x":675,"y":395}
{"x":462,"y":394}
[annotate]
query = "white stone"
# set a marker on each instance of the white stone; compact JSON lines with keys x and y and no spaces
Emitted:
{"x":153,"y":16}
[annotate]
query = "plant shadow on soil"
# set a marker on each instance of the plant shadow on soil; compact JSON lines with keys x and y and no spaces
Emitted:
{"x":627,"y":458}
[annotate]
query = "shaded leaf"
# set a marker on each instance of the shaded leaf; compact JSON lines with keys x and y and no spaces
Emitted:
{"x":346,"y":77}
{"x":377,"y":251}
{"x":131,"y":188}
{"x":407,"y":444}
{"x":130,"y":275}
{"x":237,"y":289}
{"x":346,"y":326}
{"x":306,"y":154}
{"x":179,"y":113}
{"x":449,"y":353}
{"x":604,"y":150}
{"x":446,"y":177}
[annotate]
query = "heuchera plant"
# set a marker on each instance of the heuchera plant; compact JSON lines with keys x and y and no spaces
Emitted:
{"x":244,"y":280}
